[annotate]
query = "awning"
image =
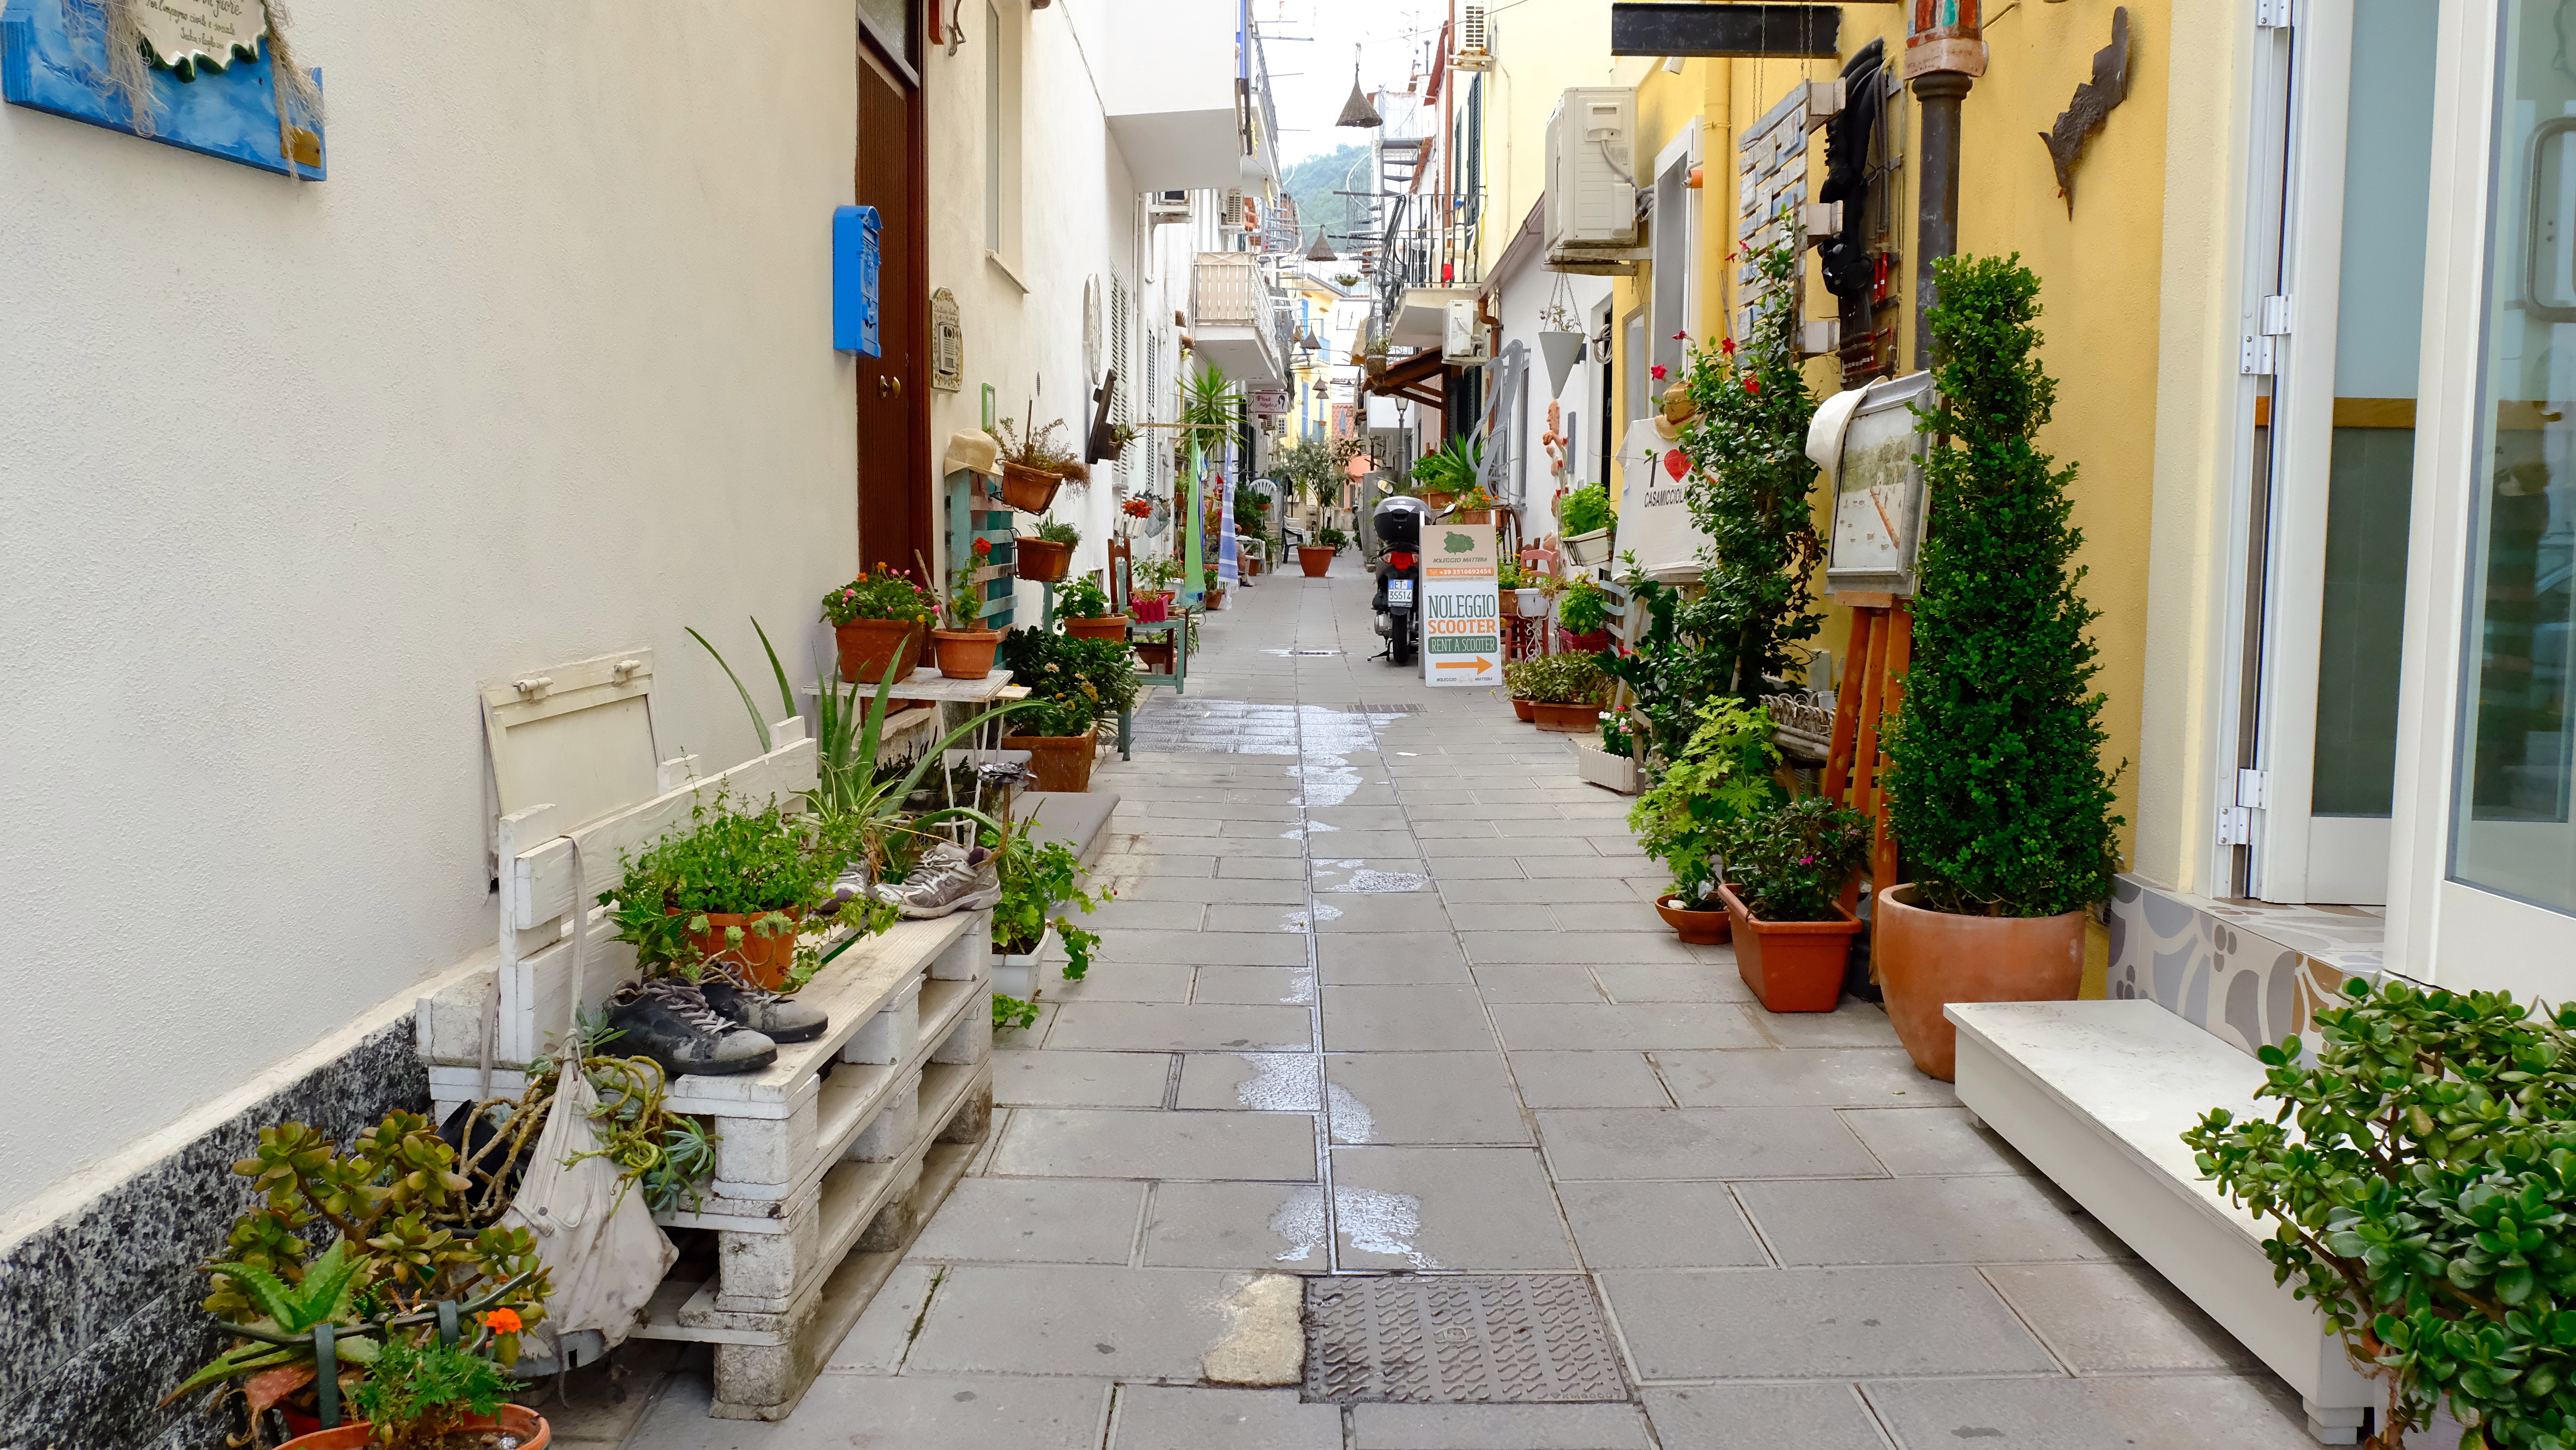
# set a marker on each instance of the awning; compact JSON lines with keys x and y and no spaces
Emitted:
{"x":1418,"y":378}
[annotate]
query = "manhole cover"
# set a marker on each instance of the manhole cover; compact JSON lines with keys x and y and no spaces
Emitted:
{"x":1459,"y":1340}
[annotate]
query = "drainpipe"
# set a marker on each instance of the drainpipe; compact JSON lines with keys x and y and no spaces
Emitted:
{"x":1937,"y":197}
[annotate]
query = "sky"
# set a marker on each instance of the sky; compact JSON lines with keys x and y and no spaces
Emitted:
{"x":1308,"y":43}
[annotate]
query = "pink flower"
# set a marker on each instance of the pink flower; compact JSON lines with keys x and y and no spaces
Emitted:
{"x":1681,"y":337}
{"x":1656,"y":372}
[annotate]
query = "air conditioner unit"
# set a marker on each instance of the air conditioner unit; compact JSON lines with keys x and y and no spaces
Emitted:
{"x":1589,"y":211}
{"x":1462,"y":339}
{"x":1238,"y":213}
{"x":1473,"y":51}
{"x":1167,"y":206}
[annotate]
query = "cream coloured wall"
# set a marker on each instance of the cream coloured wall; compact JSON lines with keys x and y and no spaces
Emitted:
{"x":543,"y":371}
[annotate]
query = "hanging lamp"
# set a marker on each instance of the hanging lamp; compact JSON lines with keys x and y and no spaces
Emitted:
{"x":1322,"y":251}
{"x":1358,"y":110}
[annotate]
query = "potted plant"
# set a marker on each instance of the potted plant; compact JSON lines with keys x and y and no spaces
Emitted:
{"x":2421,"y":1177}
{"x":1034,"y":464}
{"x":1997,"y":790}
{"x":1083,"y":607}
{"x":1443,"y":475}
{"x":1473,"y":506}
{"x":1519,"y":680}
{"x":1041,"y":881}
{"x":1153,"y":604}
{"x":1724,"y":772}
{"x":1560,"y":342}
{"x":1585,"y":520}
{"x":1210,"y":590}
{"x":1073,"y":685}
{"x":1564,"y":692}
{"x":879,"y":618}
{"x":1521,"y":596}
{"x":1047,"y":556}
{"x":731,"y":888}
{"x":1609,"y":761}
{"x":1785,"y":874}
{"x":1317,"y":558}
{"x":965,"y":646}
{"x":1582,"y":614}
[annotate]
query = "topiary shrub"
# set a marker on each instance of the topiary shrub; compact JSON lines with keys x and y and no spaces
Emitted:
{"x":1999,"y":794}
{"x":2423,"y":1201}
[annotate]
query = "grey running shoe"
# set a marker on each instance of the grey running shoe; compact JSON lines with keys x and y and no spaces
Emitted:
{"x":780,"y":1019}
{"x":947,"y":878}
{"x":671,"y":1022}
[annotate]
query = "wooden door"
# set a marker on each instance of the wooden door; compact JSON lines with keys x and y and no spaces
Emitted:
{"x":895,"y":483}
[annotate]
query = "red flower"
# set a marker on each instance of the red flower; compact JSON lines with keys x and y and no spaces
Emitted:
{"x":1753,"y":386}
{"x":1656,"y":372}
{"x":983,"y":547}
{"x":503,"y":1321}
{"x":1727,"y":346}
{"x":1681,"y":337}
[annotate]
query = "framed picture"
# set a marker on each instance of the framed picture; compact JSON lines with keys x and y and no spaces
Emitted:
{"x":1878,"y":491}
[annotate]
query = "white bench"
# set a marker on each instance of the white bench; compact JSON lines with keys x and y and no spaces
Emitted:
{"x":2097,"y":1095}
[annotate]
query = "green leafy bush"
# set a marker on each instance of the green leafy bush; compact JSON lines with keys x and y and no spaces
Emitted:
{"x":763,"y":864}
{"x":885,"y":593}
{"x":1453,"y":468}
{"x":1667,"y":672}
{"x":418,"y":1394}
{"x":1332,"y":538}
{"x":1723,"y":773}
{"x":1082,"y":599}
{"x":1584,"y":510}
{"x":1751,"y":490}
{"x":1038,"y":880}
{"x":1998,"y":791}
{"x":1068,"y":678}
{"x":1583,"y":606}
{"x":1567,"y":679}
{"x":1791,"y":864}
{"x":2421,"y":1174}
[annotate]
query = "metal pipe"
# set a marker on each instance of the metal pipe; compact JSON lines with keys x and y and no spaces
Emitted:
{"x":1937,"y":193}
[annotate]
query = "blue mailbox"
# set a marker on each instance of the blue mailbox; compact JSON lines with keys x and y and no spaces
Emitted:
{"x":856,"y":257}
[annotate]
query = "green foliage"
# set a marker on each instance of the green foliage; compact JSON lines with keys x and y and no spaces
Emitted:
{"x":2422,"y":1172}
{"x":1010,"y":1012}
{"x":1584,"y":510}
{"x":1071,"y":682}
{"x":1668,"y":675}
{"x":1038,"y":880}
{"x":1511,"y":573}
{"x":1582,"y":605}
{"x":1054,"y":532}
{"x":1332,"y":538}
{"x":418,"y":1393}
{"x":886,"y":593}
{"x":1079,"y":944}
{"x":1791,"y":864}
{"x":724,"y":862}
{"x":1751,"y":488}
{"x":1567,"y":679}
{"x":1210,"y":408}
{"x":1082,"y":599}
{"x":1308,"y":467}
{"x":1998,"y":790}
{"x":1452,"y":469}
{"x":1723,"y":773}
{"x":688,"y":1160}
{"x":1033,"y":447}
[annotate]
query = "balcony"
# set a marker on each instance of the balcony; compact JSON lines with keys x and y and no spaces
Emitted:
{"x":1233,"y":318}
{"x":1187,"y":103}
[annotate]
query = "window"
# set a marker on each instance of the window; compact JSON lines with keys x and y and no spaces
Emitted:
{"x":1002,"y":135}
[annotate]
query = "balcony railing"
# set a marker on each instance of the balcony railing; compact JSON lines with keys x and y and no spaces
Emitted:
{"x":1227,"y":289}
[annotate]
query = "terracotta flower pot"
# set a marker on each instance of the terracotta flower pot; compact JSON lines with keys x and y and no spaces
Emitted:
{"x":1156,"y":654}
{"x":1472,"y":516}
{"x":1436,"y":499}
{"x":1525,"y":709}
{"x":1043,"y":561}
{"x":1107,"y":626}
{"x":765,"y":959}
{"x":1216,"y":599}
{"x":967,"y":654}
{"x":1029,"y":490}
{"x":531,"y":1428}
{"x":1571,"y":719}
{"x":1793,"y":966}
{"x":1928,"y":959}
{"x":1059,"y":762}
{"x":869,"y":645}
{"x":1314,"y":559}
{"x":1699,"y":928}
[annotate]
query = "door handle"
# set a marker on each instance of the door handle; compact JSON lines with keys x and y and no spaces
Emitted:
{"x":889,"y":386}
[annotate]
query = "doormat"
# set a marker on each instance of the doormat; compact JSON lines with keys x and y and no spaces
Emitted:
{"x":1458,"y":1339}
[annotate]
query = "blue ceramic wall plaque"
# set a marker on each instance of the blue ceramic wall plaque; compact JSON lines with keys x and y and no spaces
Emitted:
{"x":856,"y":260}
{"x":211,"y":88}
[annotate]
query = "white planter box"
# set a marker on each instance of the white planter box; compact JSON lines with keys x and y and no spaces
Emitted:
{"x":1018,"y":976}
{"x":1591,"y":548}
{"x":1599,"y":766}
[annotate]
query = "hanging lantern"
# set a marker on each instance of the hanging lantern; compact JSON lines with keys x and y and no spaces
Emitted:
{"x":1358,"y":111}
{"x":1322,"y":251}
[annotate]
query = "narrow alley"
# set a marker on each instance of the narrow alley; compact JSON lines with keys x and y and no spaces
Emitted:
{"x":1382,"y":995}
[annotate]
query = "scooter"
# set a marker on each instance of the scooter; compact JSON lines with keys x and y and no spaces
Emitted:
{"x":1397,"y":523}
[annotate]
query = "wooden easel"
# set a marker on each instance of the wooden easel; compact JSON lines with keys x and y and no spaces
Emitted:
{"x":1882,"y":645}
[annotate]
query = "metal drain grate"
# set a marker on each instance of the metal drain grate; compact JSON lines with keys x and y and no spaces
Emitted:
{"x":1458,"y":1340}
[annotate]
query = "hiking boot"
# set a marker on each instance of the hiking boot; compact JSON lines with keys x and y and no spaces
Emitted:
{"x":780,"y":1019}
{"x":671,"y":1022}
{"x":947,"y":878}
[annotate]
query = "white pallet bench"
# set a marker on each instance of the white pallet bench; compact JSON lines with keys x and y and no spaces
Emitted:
{"x":2097,"y":1095}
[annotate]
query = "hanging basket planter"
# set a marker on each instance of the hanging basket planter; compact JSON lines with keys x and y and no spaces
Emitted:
{"x":1030,"y":490}
{"x":1043,"y":561}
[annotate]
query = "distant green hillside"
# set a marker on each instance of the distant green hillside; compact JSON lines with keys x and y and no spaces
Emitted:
{"x":1314,"y":180}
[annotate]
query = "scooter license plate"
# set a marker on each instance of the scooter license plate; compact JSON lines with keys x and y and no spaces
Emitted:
{"x":1399,"y":594}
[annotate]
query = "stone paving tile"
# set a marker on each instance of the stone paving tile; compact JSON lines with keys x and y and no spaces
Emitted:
{"x":876,"y":1344}
{"x":2198,"y":1412}
{"x":1700,"y":1143}
{"x":1933,"y":1140}
{"x":1824,"y":1324}
{"x":1110,"y":981}
{"x":1518,"y":848}
{"x":1284,"y":924}
{"x":1205,"y":890}
{"x":1497,"y":1427}
{"x":1656,"y":1225}
{"x":1652,"y":1026}
{"x":1717,"y":1417}
{"x":1390,"y":959}
{"x":1049,"y":1319}
{"x":1106,"y":1143}
{"x":1624,"y":947}
{"x":1455,"y":831}
{"x":1165,"y":1417}
{"x":1536,"y":982}
{"x":1854,"y":1024}
{"x":1599,"y":1079}
{"x":1281,"y":1082}
{"x":1276,"y":1226}
{"x":1135,"y":914}
{"x":1260,"y":868}
{"x":1155,"y":1026}
{"x":1401,"y":912}
{"x":866,"y":1412}
{"x":1440,"y":1018}
{"x":1472,"y":868}
{"x":1066,"y":1221}
{"x":1698,"y":981}
{"x":1460,"y":1209}
{"x":1424,"y":1097}
{"x":2117,"y":1318}
{"x":1617,"y":913}
{"x":1835,"y":1077}
{"x":1359,"y":818}
{"x":1559,"y":894}
{"x":1080,"y":1079}
{"x":1998,"y":1218}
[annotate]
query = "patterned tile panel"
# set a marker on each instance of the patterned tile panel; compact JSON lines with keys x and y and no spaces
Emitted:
{"x":2246,"y":972}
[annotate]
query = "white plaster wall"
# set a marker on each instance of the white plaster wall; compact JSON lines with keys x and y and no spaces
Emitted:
{"x":543,"y":371}
{"x":1523,"y":293}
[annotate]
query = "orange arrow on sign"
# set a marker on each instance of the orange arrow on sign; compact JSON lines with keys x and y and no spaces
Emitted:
{"x":1479,"y":664}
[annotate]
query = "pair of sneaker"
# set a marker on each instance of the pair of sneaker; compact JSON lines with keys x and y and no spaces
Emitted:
{"x":715,"y":1027}
{"x":947,"y":878}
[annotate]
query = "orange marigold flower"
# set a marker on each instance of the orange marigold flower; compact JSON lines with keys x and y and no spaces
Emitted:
{"x":503,"y":1321}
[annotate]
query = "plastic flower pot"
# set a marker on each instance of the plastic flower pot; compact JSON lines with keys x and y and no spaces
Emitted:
{"x":766,"y":960}
{"x":869,"y":645}
{"x":1699,"y":928}
{"x":1591,"y":641}
{"x":967,"y":654}
{"x":1043,"y":561}
{"x":1929,"y":959}
{"x":1527,"y":710}
{"x":1314,"y":559}
{"x":1107,"y":626}
{"x":1572,"y":719}
{"x":1030,"y":490}
{"x":530,"y":1427}
{"x":1792,"y":966}
{"x":1058,"y":762}
{"x":1151,"y":608}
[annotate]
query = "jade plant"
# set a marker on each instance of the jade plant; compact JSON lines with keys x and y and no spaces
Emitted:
{"x":1998,"y":789}
{"x":1725,"y":772}
{"x":2421,"y":1176}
